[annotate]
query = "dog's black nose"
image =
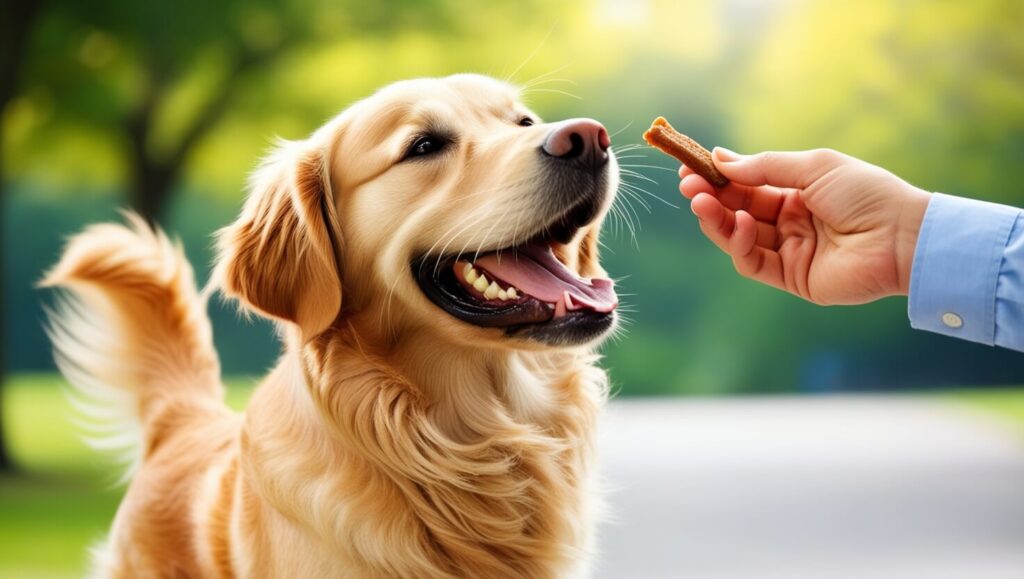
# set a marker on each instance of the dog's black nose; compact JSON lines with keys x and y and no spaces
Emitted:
{"x":582,"y":140}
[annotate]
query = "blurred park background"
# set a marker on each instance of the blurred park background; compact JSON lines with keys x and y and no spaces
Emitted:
{"x":166,"y":107}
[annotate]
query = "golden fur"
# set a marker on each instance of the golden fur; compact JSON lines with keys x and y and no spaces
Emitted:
{"x":391,"y":439}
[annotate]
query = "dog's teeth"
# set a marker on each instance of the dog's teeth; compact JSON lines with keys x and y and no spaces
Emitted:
{"x":503,"y":295}
{"x":481,"y":283}
{"x":492,"y":291}
{"x":512,"y":293}
{"x":471,"y":274}
{"x":465,"y":270}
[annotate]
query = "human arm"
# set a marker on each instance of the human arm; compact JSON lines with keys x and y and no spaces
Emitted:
{"x":967,"y":279}
{"x":835,"y":230}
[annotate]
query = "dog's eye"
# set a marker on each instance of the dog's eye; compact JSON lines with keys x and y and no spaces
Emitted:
{"x":426,"y":145}
{"x":525,"y":122}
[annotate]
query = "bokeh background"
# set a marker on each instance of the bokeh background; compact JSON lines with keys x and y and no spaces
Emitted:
{"x":166,"y":107}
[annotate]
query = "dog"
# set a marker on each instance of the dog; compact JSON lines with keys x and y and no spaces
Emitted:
{"x":430,"y":258}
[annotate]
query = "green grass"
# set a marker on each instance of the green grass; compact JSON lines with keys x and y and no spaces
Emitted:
{"x":47,"y":523}
{"x":64,"y":497}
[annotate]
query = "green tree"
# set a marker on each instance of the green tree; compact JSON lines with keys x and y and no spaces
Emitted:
{"x":16,"y":22}
{"x":155,"y":78}
{"x":898,"y":83}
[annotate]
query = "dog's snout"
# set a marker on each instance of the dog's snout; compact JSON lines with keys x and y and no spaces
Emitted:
{"x":582,"y":140}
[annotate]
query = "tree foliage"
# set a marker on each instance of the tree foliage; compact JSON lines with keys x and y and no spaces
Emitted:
{"x":151,"y":80}
{"x":902,"y":84}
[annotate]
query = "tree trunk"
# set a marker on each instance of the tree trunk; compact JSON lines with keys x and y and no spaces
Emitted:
{"x":6,"y":462}
{"x":16,"y":18}
{"x":155,"y":175}
{"x":152,"y":187}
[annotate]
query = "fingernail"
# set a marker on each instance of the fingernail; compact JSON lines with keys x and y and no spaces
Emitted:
{"x":725,"y":155}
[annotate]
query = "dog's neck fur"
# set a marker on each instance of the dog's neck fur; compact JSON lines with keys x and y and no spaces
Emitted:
{"x":480,"y":452}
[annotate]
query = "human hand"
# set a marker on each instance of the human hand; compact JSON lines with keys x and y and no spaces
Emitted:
{"x":821,"y":225}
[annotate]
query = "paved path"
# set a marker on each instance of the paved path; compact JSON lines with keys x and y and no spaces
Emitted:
{"x":819,"y":488}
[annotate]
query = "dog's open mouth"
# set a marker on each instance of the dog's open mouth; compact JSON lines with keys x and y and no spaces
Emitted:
{"x":522,"y":289}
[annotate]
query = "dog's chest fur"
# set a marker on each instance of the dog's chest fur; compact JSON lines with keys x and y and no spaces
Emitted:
{"x":480,"y":480}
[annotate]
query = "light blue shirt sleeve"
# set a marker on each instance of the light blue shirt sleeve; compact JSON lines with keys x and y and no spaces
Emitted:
{"x":967,"y":279}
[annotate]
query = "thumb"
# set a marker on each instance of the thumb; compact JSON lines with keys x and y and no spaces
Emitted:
{"x":791,"y":169}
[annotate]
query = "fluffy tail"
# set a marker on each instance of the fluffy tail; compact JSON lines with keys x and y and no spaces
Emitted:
{"x":131,"y":333}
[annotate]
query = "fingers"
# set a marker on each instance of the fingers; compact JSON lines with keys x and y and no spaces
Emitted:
{"x":751,"y":259}
{"x":691,"y":184}
{"x":790,"y":169}
{"x":749,"y":242}
{"x":717,"y":218}
{"x":716,"y":222}
{"x":763,"y":202}
{"x":744,"y":234}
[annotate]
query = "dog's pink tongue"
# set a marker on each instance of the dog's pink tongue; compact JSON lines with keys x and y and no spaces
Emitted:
{"x":535,"y":270}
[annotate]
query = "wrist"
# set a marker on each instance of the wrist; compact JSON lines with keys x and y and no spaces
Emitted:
{"x":908,"y":228}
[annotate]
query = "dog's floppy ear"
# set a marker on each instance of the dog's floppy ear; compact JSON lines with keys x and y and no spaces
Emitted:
{"x":280,"y":256}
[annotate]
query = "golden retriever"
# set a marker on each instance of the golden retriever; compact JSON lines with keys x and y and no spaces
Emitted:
{"x":430,"y":258}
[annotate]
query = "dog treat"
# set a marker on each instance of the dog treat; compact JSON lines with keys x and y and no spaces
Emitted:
{"x":666,"y":139}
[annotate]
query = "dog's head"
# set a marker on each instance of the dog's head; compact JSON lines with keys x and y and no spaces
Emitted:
{"x":441,"y":203}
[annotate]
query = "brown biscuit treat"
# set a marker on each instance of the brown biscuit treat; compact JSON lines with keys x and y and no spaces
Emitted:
{"x":663,"y":137}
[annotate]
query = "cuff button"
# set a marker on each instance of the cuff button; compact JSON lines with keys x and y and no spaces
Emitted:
{"x":952,"y":320}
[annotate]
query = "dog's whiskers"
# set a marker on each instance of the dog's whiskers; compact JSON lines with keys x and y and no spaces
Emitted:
{"x":629,"y":124}
{"x":640,"y":190}
{"x":555,"y":70}
{"x":551,"y":90}
{"x":483,"y":213}
{"x":515,"y":231}
{"x":480,"y":217}
{"x":483,"y":242}
{"x":629,"y":191}
{"x":632,"y":173}
{"x":625,"y":218}
{"x":547,"y":81}
{"x":658,"y":167}
{"x":464,"y":219}
{"x":532,"y":54}
{"x":630,"y":214}
{"x":627,"y":147}
{"x":441,"y":239}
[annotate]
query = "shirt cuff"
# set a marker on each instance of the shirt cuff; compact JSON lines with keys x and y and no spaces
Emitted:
{"x":956,"y":267}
